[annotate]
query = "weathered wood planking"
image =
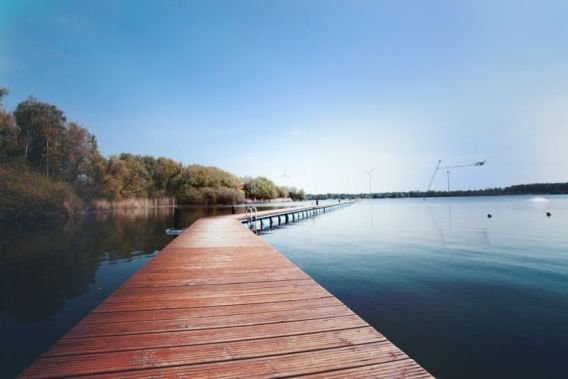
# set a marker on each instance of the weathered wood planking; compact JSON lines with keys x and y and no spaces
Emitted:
{"x":218,"y":301}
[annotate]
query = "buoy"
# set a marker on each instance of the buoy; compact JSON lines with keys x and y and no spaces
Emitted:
{"x":548,"y":214}
{"x":489,"y":215}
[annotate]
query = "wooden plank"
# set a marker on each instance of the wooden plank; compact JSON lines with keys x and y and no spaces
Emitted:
{"x":214,"y":287}
{"x":147,"y":281}
{"x":220,"y":302}
{"x":213,"y":301}
{"x":188,"y":293}
{"x":180,"y":324}
{"x":245,"y":309}
{"x":219,"y":297}
{"x":185,"y":355}
{"x":252,"y":273}
{"x":294,"y":364}
{"x":404,"y":368}
{"x":76,"y":346}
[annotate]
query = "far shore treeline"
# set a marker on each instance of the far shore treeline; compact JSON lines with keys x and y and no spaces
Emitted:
{"x":519,"y":189}
{"x":50,"y":167}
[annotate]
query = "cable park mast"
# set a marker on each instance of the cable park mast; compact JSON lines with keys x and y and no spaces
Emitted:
{"x":451,"y":167}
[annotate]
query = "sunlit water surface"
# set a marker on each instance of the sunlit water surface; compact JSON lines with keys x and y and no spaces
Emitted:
{"x":465,"y":295}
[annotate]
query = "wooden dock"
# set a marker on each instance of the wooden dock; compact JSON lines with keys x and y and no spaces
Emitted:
{"x":218,"y":301}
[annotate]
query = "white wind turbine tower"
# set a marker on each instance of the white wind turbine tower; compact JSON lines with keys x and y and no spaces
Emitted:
{"x":370,"y":173}
{"x":285,"y":174}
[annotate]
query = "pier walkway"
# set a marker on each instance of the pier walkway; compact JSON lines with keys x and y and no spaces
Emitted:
{"x":218,"y":301}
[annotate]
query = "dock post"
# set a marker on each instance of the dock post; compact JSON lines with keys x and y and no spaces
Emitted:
{"x":270,"y":222}
{"x":286,"y":218}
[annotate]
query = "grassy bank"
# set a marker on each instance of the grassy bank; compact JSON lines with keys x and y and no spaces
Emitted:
{"x":132,"y":203}
{"x":277,"y":200}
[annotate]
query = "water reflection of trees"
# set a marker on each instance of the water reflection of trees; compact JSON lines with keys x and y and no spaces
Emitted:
{"x":43,"y":265}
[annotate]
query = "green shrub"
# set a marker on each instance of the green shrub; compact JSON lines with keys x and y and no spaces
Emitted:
{"x":25,"y":194}
{"x":189,"y":196}
{"x":210,"y":196}
{"x":260,"y":188}
{"x":229,"y":195}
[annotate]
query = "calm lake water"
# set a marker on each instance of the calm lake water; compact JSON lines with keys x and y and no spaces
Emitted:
{"x":464,"y":295}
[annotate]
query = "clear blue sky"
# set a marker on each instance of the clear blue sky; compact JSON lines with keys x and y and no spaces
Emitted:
{"x":326,"y":89}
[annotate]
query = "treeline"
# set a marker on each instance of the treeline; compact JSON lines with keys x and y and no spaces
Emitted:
{"x":520,"y":189}
{"x":43,"y":155}
{"x":261,"y":188}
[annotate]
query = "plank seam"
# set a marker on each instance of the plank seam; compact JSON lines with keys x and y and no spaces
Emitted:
{"x":126,"y":285}
{"x":211,"y":306}
{"x":132,"y":301}
{"x":207,"y":316}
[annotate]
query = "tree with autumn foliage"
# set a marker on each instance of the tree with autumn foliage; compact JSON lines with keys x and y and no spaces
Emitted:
{"x":8,"y":131}
{"x":38,"y":143}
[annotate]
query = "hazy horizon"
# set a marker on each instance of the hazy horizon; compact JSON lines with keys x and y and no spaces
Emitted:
{"x":323,"y":90}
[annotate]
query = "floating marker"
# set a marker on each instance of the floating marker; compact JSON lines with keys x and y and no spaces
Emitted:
{"x":489,"y":215}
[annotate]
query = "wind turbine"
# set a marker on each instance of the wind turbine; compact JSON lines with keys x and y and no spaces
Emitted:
{"x":285,"y":174}
{"x":370,"y":173}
